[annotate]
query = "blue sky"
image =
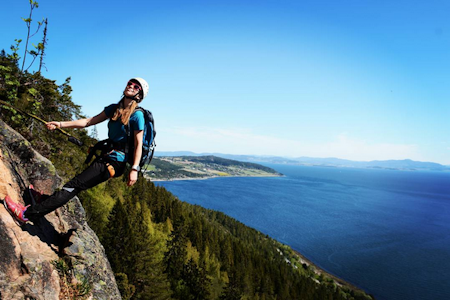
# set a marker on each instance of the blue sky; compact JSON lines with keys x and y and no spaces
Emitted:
{"x":360,"y":80}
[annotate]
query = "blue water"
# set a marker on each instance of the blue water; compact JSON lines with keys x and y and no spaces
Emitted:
{"x":385,"y":231}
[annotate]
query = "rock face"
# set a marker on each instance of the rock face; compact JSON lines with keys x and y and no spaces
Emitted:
{"x":59,"y":255}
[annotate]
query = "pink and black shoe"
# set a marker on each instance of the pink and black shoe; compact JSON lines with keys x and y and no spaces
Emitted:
{"x":16,"y":210}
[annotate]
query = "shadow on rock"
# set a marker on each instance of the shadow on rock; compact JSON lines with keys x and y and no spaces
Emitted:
{"x":47,"y":233}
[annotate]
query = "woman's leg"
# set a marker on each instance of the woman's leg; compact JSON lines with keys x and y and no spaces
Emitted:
{"x":95,"y":174}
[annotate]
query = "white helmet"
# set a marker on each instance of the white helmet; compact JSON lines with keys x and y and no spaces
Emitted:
{"x":143,"y":84}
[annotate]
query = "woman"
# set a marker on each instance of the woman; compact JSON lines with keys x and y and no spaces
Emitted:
{"x":110,"y":165}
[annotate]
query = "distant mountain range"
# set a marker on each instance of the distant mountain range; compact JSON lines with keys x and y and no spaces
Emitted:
{"x":406,"y":164}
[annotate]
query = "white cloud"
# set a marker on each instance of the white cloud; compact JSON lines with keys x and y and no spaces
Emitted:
{"x":243,"y":141}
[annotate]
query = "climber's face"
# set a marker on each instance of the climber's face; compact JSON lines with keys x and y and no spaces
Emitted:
{"x":132,"y":89}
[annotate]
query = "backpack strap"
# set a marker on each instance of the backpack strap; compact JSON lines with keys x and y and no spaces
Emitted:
{"x":128,"y":130}
{"x":127,"y":144}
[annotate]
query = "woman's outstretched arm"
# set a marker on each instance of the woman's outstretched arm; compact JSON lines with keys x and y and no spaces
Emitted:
{"x":81,"y":123}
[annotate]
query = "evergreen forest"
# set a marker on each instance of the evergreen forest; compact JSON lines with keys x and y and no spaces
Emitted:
{"x":159,"y":247}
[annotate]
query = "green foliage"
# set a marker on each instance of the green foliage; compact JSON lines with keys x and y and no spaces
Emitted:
{"x":14,"y":56}
{"x":126,"y":289}
{"x":40,"y":47}
{"x":61,"y":266}
{"x":70,"y":288}
{"x":135,"y":248}
{"x":82,"y":288}
{"x":42,"y":97}
{"x":232,"y":291}
{"x":9,"y":76}
{"x":98,"y":205}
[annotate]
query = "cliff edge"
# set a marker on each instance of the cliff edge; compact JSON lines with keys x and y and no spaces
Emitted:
{"x":59,"y":257}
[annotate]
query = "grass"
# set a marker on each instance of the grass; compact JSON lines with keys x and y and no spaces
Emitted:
{"x":71,"y":288}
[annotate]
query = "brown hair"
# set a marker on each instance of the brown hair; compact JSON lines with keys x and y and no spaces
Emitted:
{"x":124,"y":113}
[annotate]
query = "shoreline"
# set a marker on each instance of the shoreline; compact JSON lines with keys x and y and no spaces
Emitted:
{"x":318,"y":270}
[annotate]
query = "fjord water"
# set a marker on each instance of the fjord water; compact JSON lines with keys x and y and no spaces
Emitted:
{"x":385,"y":231}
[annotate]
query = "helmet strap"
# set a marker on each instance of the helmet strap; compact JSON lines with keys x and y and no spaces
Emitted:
{"x":135,"y":98}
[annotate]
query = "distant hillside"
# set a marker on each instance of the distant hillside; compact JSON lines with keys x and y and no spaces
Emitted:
{"x":228,"y":162}
{"x":406,"y":164}
{"x":196,"y":167}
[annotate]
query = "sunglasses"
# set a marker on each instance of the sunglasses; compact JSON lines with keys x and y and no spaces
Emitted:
{"x":134,"y":85}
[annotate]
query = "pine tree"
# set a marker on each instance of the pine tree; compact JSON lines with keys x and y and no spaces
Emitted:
{"x":233,"y":290}
{"x":146,"y":265}
{"x":117,"y":238}
{"x":196,"y":280}
{"x":175,"y":258}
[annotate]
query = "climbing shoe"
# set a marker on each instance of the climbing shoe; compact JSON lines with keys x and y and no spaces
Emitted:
{"x":16,"y":210}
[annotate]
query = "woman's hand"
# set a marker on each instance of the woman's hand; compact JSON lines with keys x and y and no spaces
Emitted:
{"x":53,"y":125}
{"x":132,"y":178}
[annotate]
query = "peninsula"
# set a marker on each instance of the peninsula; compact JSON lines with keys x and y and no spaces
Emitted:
{"x":203,"y":167}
